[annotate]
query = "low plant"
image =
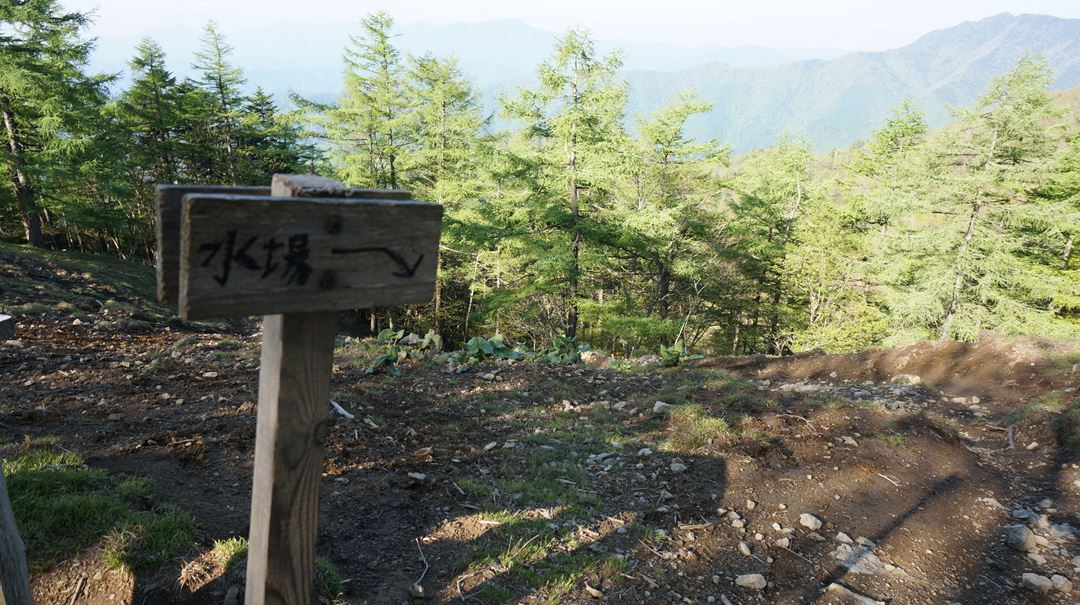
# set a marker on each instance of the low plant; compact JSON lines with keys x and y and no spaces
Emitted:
{"x":676,"y":355}
{"x":564,"y":351}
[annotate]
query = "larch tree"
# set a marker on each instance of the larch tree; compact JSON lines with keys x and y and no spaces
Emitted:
{"x":45,"y":95}
{"x":222,"y":81}
{"x":569,"y":123}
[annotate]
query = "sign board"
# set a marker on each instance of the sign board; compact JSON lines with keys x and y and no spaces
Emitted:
{"x":294,"y":253}
{"x":263,"y":255}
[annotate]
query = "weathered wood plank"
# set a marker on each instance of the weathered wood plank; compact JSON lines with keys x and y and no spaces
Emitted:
{"x":255,"y":255}
{"x":167,"y":210}
{"x":294,"y":387}
{"x":14,"y":576}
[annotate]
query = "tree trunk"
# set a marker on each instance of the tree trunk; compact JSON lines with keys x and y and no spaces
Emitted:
{"x":1066,"y":256}
{"x":20,"y":185}
{"x":958,"y":283}
{"x":575,"y":249}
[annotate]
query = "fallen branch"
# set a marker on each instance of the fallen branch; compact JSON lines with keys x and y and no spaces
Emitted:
{"x":341,"y":410}
{"x":889,"y":479}
{"x":416,"y":589}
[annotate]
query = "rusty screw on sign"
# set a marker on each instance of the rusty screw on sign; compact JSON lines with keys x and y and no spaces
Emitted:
{"x":327,"y":280}
{"x":333,"y":225}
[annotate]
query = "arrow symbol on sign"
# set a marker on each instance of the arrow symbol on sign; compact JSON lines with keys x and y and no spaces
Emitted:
{"x":406,"y":269}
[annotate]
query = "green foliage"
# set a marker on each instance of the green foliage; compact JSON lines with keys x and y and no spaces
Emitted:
{"x":392,"y":352}
{"x":564,"y":351}
{"x":479,"y":348}
{"x":62,"y":507}
{"x":567,"y":223}
{"x":676,"y":355}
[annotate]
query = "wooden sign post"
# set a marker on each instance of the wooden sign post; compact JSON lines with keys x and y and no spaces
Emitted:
{"x":310,"y":248}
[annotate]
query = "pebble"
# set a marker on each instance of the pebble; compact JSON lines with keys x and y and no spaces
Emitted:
{"x":844,"y":538}
{"x":677,"y":467}
{"x":757,"y":581}
{"x":644,"y":452}
{"x":784,"y":542}
{"x":810,"y":521}
{"x":1036,"y":558}
{"x":1020,"y":538}
{"x":1061,"y":583}
{"x":750,"y":504}
{"x":744,"y":549}
{"x":1034,"y":581}
{"x":661,"y":408}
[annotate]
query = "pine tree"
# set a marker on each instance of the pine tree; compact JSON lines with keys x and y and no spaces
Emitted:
{"x":267,"y":142}
{"x":223,"y":82}
{"x":151,"y":110}
{"x":570,"y":125}
{"x":47,"y":102}
{"x":367,"y":126}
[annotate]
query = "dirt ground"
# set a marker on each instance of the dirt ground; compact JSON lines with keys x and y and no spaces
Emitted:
{"x":526,"y":483}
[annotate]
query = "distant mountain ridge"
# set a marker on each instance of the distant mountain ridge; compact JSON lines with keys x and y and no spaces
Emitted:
{"x":835,"y":103}
{"x":759,"y":94}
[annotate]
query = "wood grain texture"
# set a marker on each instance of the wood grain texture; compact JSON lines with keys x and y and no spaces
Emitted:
{"x":294,"y":387}
{"x":167,"y":213}
{"x":359,"y":253}
{"x":14,"y":577}
{"x":310,"y":185}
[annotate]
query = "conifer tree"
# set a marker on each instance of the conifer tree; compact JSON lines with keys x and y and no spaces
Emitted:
{"x":47,"y":102}
{"x":569,"y":124}
{"x":218,"y":77}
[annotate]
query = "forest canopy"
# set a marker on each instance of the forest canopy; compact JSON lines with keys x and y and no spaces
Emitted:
{"x":566,"y":217}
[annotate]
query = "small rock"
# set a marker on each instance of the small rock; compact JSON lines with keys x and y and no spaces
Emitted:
{"x":594,"y":593}
{"x":1036,"y":558}
{"x":644,"y":452}
{"x":810,"y":521}
{"x":1061,"y":583}
{"x":738,"y":524}
{"x":744,"y":548}
{"x":757,"y":581}
{"x":1034,"y":445}
{"x":849,"y":441}
{"x":1034,"y":581}
{"x":418,"y":476}
{"x":677,"y":467}
{"x":816,"y":536}
{"x":232,"y":596}
{"x":1045,"y":503}
{"x":1020,"y":538}
{"x":844,"y":538}
{"x":209,"y":374}
{"x":908,"y":379}
{"x":77,"y":322}
{"x":661,"y":408}
{"x":783,"y":542}
{"x":416,"y":591}
{"x":750,"y":504}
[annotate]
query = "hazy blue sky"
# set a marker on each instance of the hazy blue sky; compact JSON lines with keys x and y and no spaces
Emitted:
{"x":846,"y":24}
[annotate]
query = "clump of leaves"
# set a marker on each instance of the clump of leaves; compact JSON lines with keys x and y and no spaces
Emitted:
{"x":564,"y":351}
{"x":479,"y":348}
{"x":676,"y":355}
{"x":392,"y":352}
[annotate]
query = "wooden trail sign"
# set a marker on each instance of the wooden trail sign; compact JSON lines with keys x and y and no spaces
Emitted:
{"x":308,"y":249}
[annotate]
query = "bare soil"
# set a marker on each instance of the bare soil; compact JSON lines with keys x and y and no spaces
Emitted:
{"x":540,"y":484}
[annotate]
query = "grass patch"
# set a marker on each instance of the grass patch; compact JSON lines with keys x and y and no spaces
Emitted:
{"x":63,"y":506}
{"x":892,"y":436}
{"x":231,"y":555}
{"x":691,"y":428}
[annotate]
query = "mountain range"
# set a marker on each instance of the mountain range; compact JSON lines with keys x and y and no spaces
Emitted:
{"x":759,"y":94}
